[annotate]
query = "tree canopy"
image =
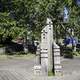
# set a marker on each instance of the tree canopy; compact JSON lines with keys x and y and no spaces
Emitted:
{"x":18,"y":17}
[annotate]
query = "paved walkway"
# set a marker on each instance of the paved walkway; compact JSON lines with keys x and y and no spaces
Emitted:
{"x":16,"y":69}
{"x":71,"y":65}
{"x":71,"y":68}
{"x":21,"y":69}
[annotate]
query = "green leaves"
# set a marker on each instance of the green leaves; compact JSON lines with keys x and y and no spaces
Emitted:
{"x":18,"y":17}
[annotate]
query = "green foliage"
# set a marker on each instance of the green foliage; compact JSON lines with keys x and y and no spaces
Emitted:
{"x":17,"y":17}
{"x":77,"y":53}
{"x":50,"y":73}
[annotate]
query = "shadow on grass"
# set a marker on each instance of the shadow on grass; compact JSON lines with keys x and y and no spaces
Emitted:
{"x":50,"y":73}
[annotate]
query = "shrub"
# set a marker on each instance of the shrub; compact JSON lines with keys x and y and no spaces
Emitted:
{"x":68,"y":53}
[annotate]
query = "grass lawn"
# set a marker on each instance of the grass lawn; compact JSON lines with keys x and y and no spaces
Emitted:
{"x":50,"y":73}
{"x":25,"y":56}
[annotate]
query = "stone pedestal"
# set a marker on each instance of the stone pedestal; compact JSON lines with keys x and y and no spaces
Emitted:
{"x":49,"y":43}
{"x":44,"y":52}
{"x":57,"y":63}
{"x":46,"y":47}
{"x":44,"y":62}
{"x":38,"y":61}
{"x":48,"y":54}
{"x":37,"y":70}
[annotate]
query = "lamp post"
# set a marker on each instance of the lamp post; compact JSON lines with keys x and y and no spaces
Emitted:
{"x":65,"y":19}
{"x":66,"y":15}
{"x":78,"y":2}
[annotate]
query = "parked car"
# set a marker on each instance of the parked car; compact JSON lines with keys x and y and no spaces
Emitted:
{"x":31,"y":46}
